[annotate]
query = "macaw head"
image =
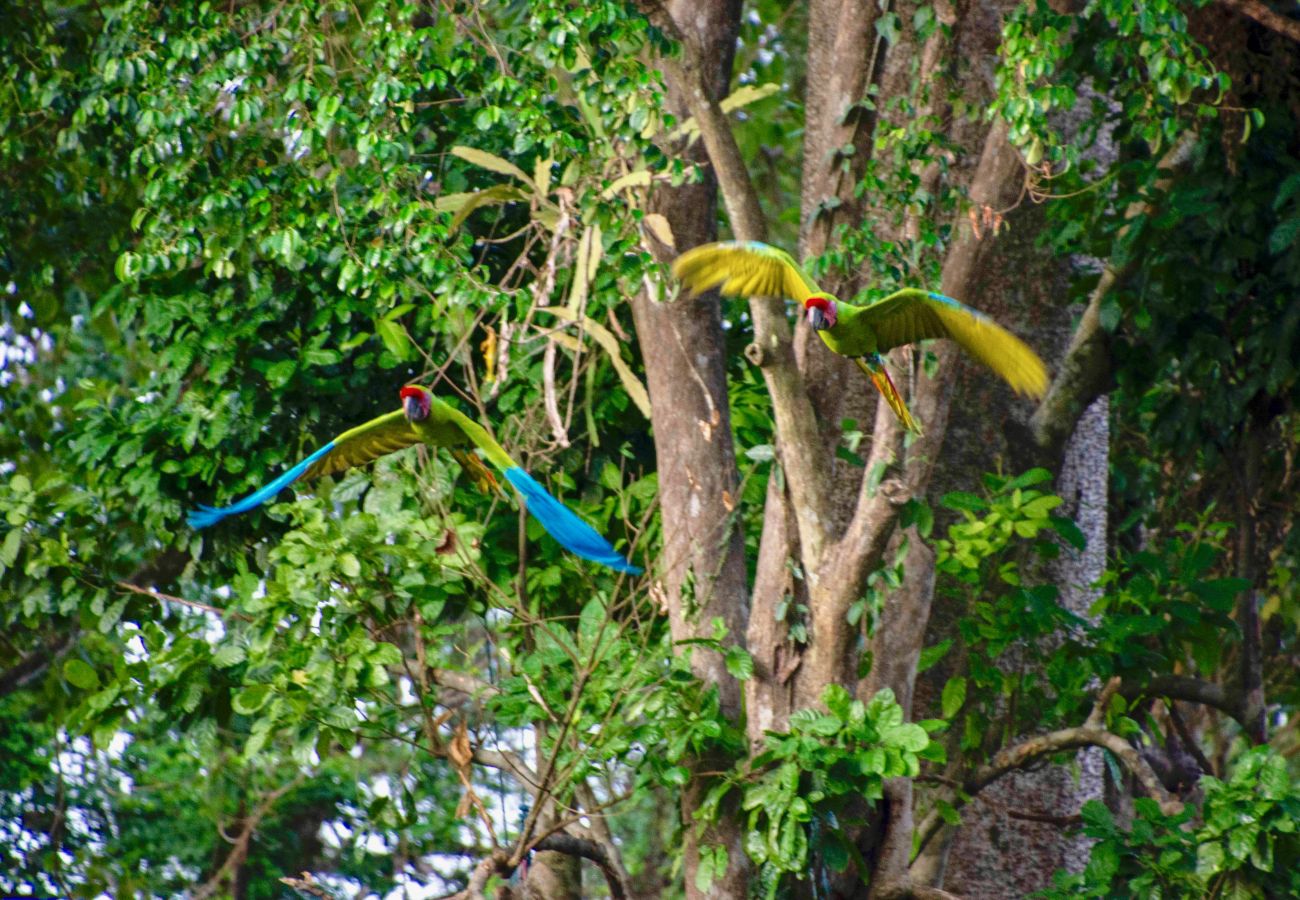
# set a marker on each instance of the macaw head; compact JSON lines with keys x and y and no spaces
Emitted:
{"x":821,"y":311}
{"x":416,"y":402}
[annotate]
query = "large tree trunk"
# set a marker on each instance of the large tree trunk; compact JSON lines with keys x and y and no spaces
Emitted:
{"x":702,"y":568}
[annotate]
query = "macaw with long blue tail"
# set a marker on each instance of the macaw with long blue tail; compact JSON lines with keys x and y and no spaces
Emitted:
{"x":753,"y":269}
{"x":424,"y":418}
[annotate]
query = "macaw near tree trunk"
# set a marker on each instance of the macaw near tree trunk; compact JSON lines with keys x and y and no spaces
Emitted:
{"x":753,"y":269}
{"x":424,"y":418}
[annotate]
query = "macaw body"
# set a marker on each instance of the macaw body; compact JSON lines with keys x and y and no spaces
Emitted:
{"x":426,"y":419}
{"x":753,"y":269}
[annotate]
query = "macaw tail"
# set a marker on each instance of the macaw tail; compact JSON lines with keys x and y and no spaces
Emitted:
{"x":564,"y":525}
{"x":210,"y":515}
{"x":879,"y":375}
{"x":474,"y":467}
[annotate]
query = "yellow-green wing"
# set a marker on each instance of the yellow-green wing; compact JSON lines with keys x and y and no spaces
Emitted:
{"x":913,"y":315}
{"x":744,"y":269}
{"x":365,"y":443}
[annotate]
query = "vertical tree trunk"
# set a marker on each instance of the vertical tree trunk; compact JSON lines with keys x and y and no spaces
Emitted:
{"x":703,"y":564}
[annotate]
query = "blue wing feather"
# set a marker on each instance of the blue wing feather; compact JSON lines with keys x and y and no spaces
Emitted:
{"x":565,"y":526}
{"x":209,"y":515}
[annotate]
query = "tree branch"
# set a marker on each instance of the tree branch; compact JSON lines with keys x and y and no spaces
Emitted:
{"x":1191,"y":690}
{"x":242,"y":841}
{"x":1085,"y":372}
{"x":193,"y":604}
{"x":1092,"y":733}
{"x":798,"y":437}
{"x":909,"y":890}
{"x":1271,"y":20}
{"x":34,"y":664}
{"x":589,"y":850}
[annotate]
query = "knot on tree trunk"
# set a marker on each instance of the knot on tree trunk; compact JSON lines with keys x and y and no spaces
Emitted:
{"x":754,"y":353}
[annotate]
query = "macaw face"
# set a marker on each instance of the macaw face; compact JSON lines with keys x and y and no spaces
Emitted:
{"x":416,"y":402}
{"x":821,"y":312}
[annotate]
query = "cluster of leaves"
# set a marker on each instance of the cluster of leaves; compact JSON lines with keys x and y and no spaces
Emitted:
{"x":1243,"y":841}
{"x":812,"y":785}
{"x":1008,"y":620}
{"x":226,"y":235}
{"x":1161,"y":77}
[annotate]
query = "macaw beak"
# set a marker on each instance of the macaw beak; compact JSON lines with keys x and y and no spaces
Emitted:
{"x":817,"y":318}
{"x":411,"y":406}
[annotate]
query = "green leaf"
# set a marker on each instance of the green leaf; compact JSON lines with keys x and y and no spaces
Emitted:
{"x":80,"y":674}
{"x":1209,"y":859}
{"x":386,"y":655}
{"x":954,"y":695}
{"x":963,"y":501}
{"x":251,"y":699}
{"x":908,"y":736}
{"x":394,"y":338}
{"x":1069,"y":532}
{"x":931,"y":655}
{"x":739,"y":663}
{"x":1284,"y":235}
{"x":228,"y":655}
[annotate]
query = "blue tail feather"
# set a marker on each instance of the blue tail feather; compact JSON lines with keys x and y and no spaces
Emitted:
{"x":209,"y":515}
{"x":565,"y":526}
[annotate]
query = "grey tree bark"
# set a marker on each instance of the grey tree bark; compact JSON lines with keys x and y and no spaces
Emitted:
{"x":826,"y":522}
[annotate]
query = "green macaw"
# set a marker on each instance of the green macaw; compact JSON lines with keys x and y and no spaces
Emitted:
{"x":753,"y":269}
{"x":424,"y":418}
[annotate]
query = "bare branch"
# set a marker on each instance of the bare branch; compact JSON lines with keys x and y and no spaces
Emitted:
{"x":35,"y":664}
{"x":242,"y":841}
{"x":194,"y":604}
{"x":496,"y":864}
{"x":909,"y":890}
{"x":1271,"y":20}
{"x":1191,"y":690}
{"x":1091,"y":734}
{"x":589,"y":850}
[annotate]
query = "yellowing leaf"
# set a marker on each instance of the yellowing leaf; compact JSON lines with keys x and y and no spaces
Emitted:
{"x":589,"y":253}
{"x":466,"y":203}
{"x":491,"y":162}
{"x":542,"y":176}
{"x":747,"y":94}
{"x":603,"y":336}
{"x":659,"y":228}
{"x":742,"y":96}
{"x":639,"y":178}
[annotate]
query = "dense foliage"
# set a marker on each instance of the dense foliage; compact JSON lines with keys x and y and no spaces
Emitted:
{"x":230,"y":232}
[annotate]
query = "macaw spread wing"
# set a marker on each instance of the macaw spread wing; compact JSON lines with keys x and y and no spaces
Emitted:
{"x":744,"y":269}
{"x":365,"y":443}
{"x":912,"y":315}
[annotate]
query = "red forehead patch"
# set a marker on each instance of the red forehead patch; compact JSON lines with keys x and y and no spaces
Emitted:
{"x":818,"y":302}
{"x":411,"y":390}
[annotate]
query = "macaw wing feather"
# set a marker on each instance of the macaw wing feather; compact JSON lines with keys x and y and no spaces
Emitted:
{"x":351,"y":448}
{"x":365,"y":443}
{"x":205,"y":516}
{"x":913,"y":315}
{"x":744,"y":269}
